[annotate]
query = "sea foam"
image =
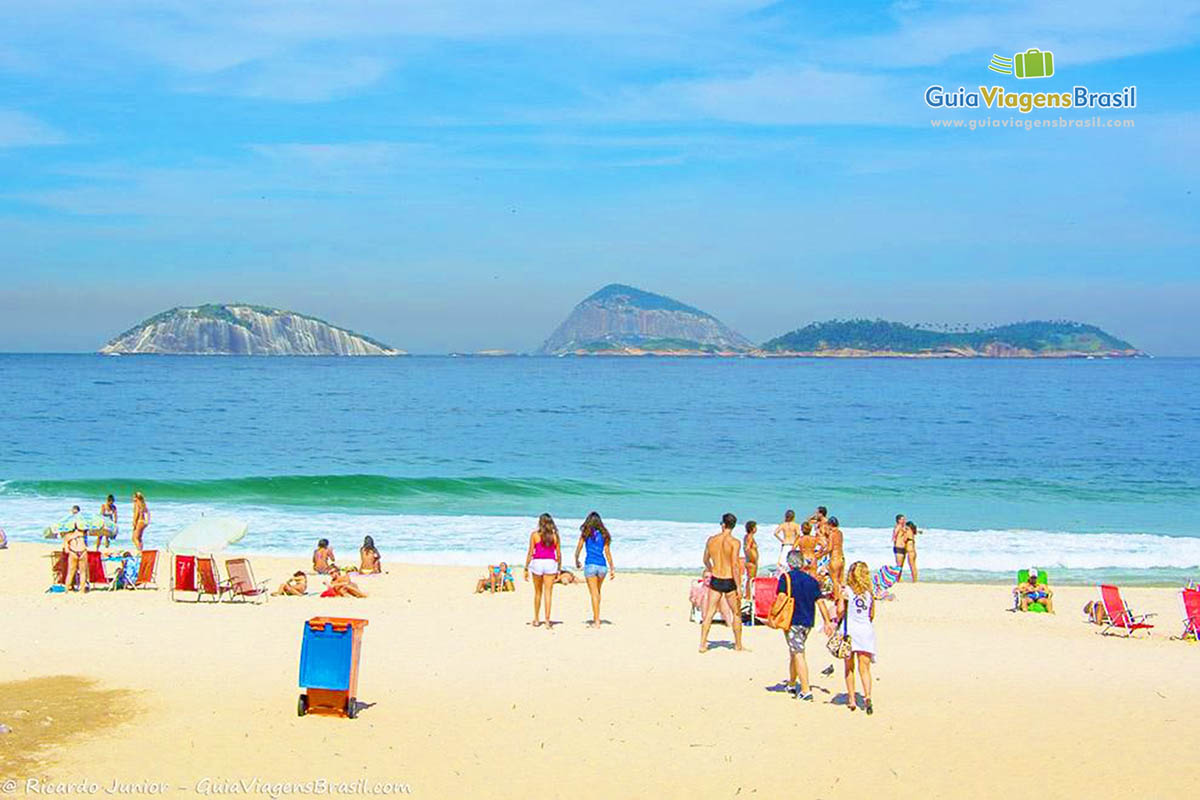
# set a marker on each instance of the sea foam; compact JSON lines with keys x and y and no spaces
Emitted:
{"x":637,"y":543}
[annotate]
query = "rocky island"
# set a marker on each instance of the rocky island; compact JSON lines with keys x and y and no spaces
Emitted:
{"x":623,"y":320}
{"x":239,"y":329}
{"x":879,"y":338}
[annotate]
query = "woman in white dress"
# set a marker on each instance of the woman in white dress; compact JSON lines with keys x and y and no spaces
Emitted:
{"x":856,"y":608}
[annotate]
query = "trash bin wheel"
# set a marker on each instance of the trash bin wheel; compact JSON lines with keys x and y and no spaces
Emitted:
{"x":302,"y":705}
{"x":351,"y":707}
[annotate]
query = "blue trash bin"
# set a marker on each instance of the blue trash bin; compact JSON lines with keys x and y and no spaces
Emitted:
{"x":329,"y":652}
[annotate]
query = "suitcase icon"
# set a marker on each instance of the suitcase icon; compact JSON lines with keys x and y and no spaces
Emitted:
{"x":1034,"y":63}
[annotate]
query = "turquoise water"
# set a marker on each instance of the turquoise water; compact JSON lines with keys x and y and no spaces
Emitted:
{"x":1090,"y":467}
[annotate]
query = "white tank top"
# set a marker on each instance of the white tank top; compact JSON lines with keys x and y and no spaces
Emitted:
{"x":858,"y":607}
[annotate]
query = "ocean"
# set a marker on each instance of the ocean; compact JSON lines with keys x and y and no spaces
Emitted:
{"x":1090,"y":468}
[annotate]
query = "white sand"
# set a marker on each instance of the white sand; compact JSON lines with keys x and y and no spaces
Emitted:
{"x":466,"y":699}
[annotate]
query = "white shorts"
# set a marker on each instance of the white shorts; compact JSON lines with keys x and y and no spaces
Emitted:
{"x":543,"y":566}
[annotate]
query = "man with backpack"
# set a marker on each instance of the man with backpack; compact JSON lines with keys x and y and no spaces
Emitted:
{"x":794,"y":613}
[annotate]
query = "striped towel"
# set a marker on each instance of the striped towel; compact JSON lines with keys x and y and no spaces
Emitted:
{"x":885,"y":578}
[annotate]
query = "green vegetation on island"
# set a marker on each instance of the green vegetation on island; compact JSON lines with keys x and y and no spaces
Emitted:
{"x":1037,"y":338}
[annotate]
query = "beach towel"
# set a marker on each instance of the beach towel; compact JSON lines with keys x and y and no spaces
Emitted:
{"x":127,"y":575}
{"x":885,"y":578}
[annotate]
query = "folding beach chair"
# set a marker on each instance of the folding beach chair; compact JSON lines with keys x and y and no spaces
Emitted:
{"x":765,"y":590}
{"x":1190,"y":598}
{"x":183,"y":576}
{"x":242,"y":585}
{"x":1120,"y":616}
{"x":1037,"y":606}
{"x":58,"y":568}
{"x":208,"y":580}
{"x":96,"y":576}
{"x":147,"y":577}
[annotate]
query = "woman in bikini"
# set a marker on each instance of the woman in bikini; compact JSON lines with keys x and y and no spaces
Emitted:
{"x":340,"y":585}
{"x":109,"y":512}
{"x":371,"y":563}
{"x":75,"y":546}
{"x":141,"y":519}
{"x":837,"y":556}
{"x":750,"y":548}
{"x":910,"y":549}
{"x":822,"y":557}
{"x":323,"y":559}
{"x":297,"y":585}
{"x":787,"y":532}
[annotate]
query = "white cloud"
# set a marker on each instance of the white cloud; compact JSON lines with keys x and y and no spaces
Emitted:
{"x":296,"y":79}
{"x":805,"y":95}
{"x":18,"y":129}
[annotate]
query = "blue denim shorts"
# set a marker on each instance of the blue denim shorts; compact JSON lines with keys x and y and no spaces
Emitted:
{"x":594,"y":570}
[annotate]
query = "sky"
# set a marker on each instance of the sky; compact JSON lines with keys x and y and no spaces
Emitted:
{"x":454,"y":175}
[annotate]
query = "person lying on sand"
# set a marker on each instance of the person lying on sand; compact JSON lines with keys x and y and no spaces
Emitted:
{"x":498,"y":579}
{"x":323,"y":560}
{"x":340,"y":585}
{"x":565,"y":576}
{"x":1033,"y":591}
{"x":297,"y":585}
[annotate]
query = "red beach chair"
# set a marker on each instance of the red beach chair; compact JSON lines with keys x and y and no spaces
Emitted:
{"x":96,"y":576}
{"x":242,"y":585}
{"x":1120,"y":616}
{"x":183,"y":576}
{"x":1191,"y":613}
{"x":209,"y":582}
{"x":765,"y":590}
{"x":147,"y":577}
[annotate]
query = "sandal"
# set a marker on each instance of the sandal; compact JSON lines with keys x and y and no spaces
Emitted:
{"x":870,"y":708}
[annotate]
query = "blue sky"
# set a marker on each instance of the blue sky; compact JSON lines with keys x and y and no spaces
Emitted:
{"x":454,"y":175}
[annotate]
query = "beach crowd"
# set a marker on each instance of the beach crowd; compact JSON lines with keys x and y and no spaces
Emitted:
{"x":809,"y":576}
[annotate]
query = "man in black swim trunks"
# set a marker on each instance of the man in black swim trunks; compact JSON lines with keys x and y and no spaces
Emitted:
{"x":899,"y":537}
{"x":722,"y":558}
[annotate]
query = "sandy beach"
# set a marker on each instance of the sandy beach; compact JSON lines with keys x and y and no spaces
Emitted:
{"x":464,"y":698}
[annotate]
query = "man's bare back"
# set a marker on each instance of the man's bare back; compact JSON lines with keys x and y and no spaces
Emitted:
{"x":722,"y":555}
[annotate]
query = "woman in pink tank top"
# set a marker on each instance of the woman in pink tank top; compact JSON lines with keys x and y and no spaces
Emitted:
{"x":544,"y":560}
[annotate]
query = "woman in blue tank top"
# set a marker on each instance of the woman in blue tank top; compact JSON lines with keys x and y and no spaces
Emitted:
{"x":599,"y":564}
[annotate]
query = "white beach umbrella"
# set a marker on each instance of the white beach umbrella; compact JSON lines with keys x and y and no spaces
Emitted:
{"x":208,"y":535}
